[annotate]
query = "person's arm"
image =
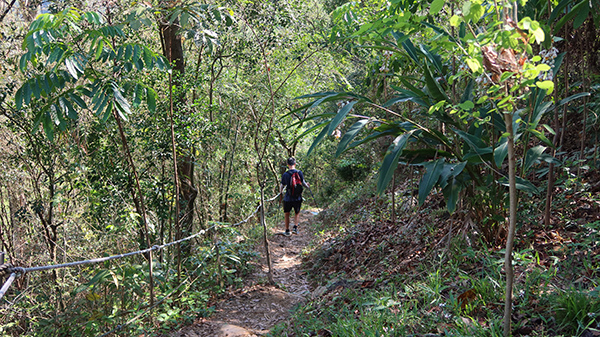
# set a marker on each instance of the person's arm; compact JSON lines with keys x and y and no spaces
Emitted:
{"x":304,"y":181}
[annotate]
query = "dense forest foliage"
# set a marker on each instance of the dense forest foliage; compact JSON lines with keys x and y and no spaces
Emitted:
{"x":127,"y":126}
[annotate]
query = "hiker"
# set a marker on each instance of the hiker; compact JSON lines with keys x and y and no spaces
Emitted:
{"x":292,"y":180}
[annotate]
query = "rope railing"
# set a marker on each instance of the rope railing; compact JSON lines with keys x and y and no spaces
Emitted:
{"x":19,"y":271}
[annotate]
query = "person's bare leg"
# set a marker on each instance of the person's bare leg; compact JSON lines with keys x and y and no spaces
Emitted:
{"x":287,"y":221}
{"x":296,"y":218}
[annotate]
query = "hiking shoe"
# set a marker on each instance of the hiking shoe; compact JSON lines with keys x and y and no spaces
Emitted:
{"x":287,"y":232}
{"x":295,"y":230}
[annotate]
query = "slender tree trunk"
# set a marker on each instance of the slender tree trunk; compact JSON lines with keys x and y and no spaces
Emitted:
{"x":173,"y":51}
{"x":512,"y":224}
{"x":265,"y":230}
{"x":138,"y":199}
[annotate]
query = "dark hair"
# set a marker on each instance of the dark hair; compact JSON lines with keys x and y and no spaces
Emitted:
{"x":291,"y":161}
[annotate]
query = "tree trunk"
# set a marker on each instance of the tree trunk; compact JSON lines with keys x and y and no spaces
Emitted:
{"x":173,"y":51}
{"x":512,"y":223}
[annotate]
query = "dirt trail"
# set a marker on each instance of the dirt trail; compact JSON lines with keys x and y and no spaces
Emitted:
{"x":256,"y":308}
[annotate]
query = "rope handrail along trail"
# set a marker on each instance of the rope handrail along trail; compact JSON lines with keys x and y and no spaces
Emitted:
{"x":18,"y":271}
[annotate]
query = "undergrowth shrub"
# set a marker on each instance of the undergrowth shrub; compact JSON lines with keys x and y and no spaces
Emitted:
{"x":577,"y":311}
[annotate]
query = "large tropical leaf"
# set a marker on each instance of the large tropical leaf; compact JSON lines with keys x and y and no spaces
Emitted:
{"x":451,"y":193}
{"x":501,"y":151}
{"x":341,"y":115}
{"x":522,"y":185}
{"x":317,"y":140}
{"x":435,"y":90}
{"x":390,"y":161}
{"x":433,"y":170}
{"x":533,"y":155}
{"x":350,"y":135}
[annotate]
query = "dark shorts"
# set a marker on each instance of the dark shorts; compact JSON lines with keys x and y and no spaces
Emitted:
{"x":288,"y":205}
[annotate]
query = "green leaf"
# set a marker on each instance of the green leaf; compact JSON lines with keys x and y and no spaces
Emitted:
{"x":582,"y":16}
{"x":521,"y":184}
{"x":473,"y":64}
{"x":19,"y":98}
{"x":452,"y":193}
{"x":390,"y":161}
{"x":455,"y":20}
{"x":533,"y":156}
{"x":411,"y":50}
{"x":432,"y":85}
{"x":26,"y":93}
{"x":572,"y":97}
{"x":123,"y":107}
{"x":570,"y":15}
{"x":430,"y":178}
{"x":151,"y":99}
{"x":467,"y":106}
{"x":99,"y":49}
{"x":450,"y":171}
{"x":546,"y":85}
{"x":68,"y":108}
{"x":317,"y":140}
{"x":436,"y":6}
{"x":48,"y":128}
{"x":78,"y":100}
{"x":558,"y":9}
{"x":541,"y":137}
{"x":71,"y":68}
{"x":350,"y":135}
{"x":501,"y":151}
{"x":339,"y":117}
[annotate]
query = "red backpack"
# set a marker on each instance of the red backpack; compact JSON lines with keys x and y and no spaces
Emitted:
{"x":296,"y":187}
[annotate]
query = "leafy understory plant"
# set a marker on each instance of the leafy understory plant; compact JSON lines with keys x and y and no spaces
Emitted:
{"x":469,"y":121}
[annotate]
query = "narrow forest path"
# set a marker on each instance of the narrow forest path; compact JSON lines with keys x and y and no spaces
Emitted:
{"x":256,"y":308}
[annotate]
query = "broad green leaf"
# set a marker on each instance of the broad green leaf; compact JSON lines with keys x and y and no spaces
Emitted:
{"x":572,"y":97}
{"x":468,"y":93}
{"x":452,"y":193}
{"x":435,"y":59}
{"x":455,"y":20}
{"x":582,"y":16}
{"x":48,"y":128}
{"x":390,"y":161}
{"x":411,"y":50}
{"x":99,"y":49}
{"x":546,"y":85}
{"x":123,"y":107}
{"x":473,"y":141}
{"x":570,"y":15}
{"x":26,"y":93}
{"x":473,"y":64}
{"x":541,"y":137}
{"x":521,"y":184}
{"x":78,"y":100}
{"x":436,"y":6}
{"x":533,"y":155}
{"x":70,"y":63}
{"x":430,"y":178}
{"x":317,"y":140}
{"x":350,"y":135}
{"x":501,"y":151}
{"x":432,"y":85}
{"x":151,"y":99}
{"x":449,"y":171}
{"x":467,"y":106}
{"x":558,"y":9}
{"x":19,"y":98}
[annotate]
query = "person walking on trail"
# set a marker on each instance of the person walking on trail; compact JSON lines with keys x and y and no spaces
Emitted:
{"x":293,"y":181}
